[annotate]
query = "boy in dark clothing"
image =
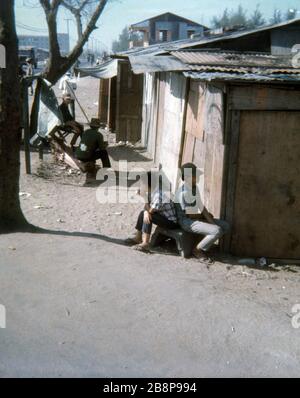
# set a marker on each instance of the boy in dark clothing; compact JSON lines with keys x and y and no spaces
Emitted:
{"x":159,"y":210}
{"x":92,"y":147}
{"x":69,"y":120}
{"x":64,"y":108}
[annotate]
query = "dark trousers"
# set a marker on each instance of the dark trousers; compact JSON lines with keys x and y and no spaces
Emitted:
{"x":99,"y":154}
{"x":103,"y":155}
{"x":157,"y":219}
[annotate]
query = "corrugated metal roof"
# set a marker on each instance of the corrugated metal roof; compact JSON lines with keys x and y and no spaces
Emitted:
{"x":164,"y":48}
{"x":240,"y":77}
{"x":154,"y":49}
{"x":240,"y":59}
{"x":243,"y":69}
{"x":240,"y":33}
{"x":210,"y":62}
{"x":147,"y":64}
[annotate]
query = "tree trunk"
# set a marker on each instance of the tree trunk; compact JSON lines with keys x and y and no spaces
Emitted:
{"x":11,"y":216}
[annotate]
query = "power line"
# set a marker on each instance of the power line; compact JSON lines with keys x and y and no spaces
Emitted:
{"x":31,"y":28}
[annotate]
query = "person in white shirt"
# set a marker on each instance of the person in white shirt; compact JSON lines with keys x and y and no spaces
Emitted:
{"x":68,"y":85}
{"x":192,"y":214}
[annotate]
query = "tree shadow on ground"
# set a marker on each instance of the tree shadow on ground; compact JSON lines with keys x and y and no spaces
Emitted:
{"x":167,"y":248}
{"x":89,"y":235}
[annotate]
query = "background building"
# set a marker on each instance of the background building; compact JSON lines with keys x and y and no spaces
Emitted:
{"x":163,"y":28}
{"x":42,"y":42}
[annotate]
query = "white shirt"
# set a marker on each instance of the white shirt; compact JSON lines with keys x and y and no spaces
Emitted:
{"x":189,"y":202}
{"x":67,"y":85}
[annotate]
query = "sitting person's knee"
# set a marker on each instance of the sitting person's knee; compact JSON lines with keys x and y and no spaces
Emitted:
{"x":218,"y":231}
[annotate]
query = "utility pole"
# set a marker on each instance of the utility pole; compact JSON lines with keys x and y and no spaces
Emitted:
{"x":68,"y":30}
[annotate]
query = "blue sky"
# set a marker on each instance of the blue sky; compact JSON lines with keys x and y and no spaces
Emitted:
{"x":120,"y":13}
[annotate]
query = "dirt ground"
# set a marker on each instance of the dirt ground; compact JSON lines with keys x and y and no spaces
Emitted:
{"x":81,"y":303}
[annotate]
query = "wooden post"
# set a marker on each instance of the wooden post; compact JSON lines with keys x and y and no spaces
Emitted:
{"x":41,"y":152}
{"x":231,"y":165}
{"x":109,"y":105}
{"x":26,"y":127}
{"x":183,"y":132}
{"x":118,"y":132}
{"x":100,"y":99}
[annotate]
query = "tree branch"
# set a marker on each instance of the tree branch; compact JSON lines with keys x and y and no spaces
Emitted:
{"x":77,"y":50}
{"x":46,"y":5}
{"x":77,"y":14}
{"x":59,"y":65}
{"x":55,"y":4}
{"x":51,"y":17}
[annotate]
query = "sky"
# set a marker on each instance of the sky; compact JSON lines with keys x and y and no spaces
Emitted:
{"x":120,"y":13}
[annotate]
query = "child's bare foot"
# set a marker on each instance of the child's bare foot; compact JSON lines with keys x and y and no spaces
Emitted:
{"x":142,"y":247}
{"x":134,"y":240}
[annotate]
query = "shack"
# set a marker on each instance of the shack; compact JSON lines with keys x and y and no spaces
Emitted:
{"x":235,"y":114}
{"x":120,"y":98}
{"x":230,"y":104}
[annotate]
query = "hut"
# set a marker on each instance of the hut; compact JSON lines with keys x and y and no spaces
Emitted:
{"x":120,"y":98}
{"x":231,"y":105}
{"x":235,"y":114}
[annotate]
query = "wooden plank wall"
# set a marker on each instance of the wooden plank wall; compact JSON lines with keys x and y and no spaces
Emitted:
{"x":172,"y":126}
{"x":162,"y":82}
{"x":112,"y":104}
{"x":264,"y":98}
{"x":103,"y":100}
{"x":262,"y":171}
{"x":266,"y":218}
{"x":150,"y":112}
{"x":204,"y":140}
{"x":129,"y":104}
{"x":107,"y":102}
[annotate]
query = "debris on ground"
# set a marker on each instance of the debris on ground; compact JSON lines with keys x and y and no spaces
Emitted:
{"x":24,"y":194}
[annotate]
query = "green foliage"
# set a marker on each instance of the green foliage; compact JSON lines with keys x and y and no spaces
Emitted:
{"x":238,"y":17}
{"x":277,"y":17}
{"x":256,"y":19}
{"x":122,"y":44}
{"x":231,"y":18}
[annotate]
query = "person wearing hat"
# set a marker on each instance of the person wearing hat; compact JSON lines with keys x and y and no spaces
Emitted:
{"x":193,"y":216}
{"x":92,"y":147}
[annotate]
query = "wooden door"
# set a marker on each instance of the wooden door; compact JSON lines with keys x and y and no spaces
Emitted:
{"x":129,"y":104}
{"x":266,"y":216}
{"x":194,"y":128}
{"x":103,"y":101}
{"x":112,"y":104}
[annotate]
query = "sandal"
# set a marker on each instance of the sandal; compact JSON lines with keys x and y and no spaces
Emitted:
{"x":130,"y":242}
{"x":143,"y":249}
{"x":203,"y":257}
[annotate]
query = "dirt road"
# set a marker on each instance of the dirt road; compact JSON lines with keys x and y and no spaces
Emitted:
{"x":80,"y":303}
